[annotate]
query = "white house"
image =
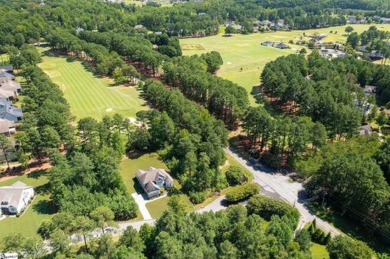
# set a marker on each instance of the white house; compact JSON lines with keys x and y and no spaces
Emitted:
{"x":15,"y":198}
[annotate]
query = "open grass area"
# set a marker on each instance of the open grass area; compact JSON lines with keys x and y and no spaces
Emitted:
{"x":244,"y":58}
{"x":38,"y":211}
{"x":319,"y":251}
{"x":129,"y":167}
{"x":89,"y":95}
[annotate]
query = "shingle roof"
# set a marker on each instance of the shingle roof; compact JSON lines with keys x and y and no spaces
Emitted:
{"x":12,"y":194}
{"x":5,"y":125}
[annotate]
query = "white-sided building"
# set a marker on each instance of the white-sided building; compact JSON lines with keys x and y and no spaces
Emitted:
{"x":15,"y":198}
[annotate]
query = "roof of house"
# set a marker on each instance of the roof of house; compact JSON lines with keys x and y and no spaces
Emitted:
{"x":7,"y":110}
{"x":5,"y":94}
{"x":7,"y":74}
{"x":5,"y":125}
{"x":151,"y":186}
{"x":7,"y":83}
{"x":12,"y":194}
{"x":365,"y":130}
{"x":6,"y":69}
{"x":152,"y":175}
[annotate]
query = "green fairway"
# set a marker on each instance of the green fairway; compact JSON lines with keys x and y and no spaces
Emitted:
{"x":244,"y":57}
{"x":38,"y":211}
{"x":89,"y":95}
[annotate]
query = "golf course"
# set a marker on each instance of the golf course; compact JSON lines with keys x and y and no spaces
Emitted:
{"x":244,"y":57}
{"x":89,"y":95}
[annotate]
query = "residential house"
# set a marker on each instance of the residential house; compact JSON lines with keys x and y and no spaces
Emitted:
{"x":237,"y":27}
{"x":369,"y":89}
{"x":385,"y":20}
{"x":332,"y":53}
{"x":152,"y":180}
{"x":8,"y":255}
{"x":267,"y":43}
{"x":14,"y":199}
{"x":365,"y":130}
{"x":281,"y":45}
{"x":7,"y":127}
{"x":376,"y":55}
{"x":10,"y":112}
{"x":7,"y":83}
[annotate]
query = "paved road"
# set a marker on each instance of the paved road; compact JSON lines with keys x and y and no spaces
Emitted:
{"x":277,"y":185}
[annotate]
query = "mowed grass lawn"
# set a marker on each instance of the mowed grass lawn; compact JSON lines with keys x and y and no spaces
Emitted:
{"x":38,"y":211}
{"x":129,"y":167}
{"x":244,"y":57}
{"x":319,"y":251}
{"x":89,"y":95}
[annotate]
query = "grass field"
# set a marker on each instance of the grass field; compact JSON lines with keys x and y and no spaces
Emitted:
{"x":129,"y":167}
{"x":38,"y":211}
{"x":319,"y":251}
{"x":89,"y":95}
{"x":244,"y":57}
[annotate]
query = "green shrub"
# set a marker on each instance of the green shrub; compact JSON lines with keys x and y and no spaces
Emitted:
{"x":235,"y":175}
{"x":242,"y":192}
{"x":197,"y":197}
{"x":266,"y":207}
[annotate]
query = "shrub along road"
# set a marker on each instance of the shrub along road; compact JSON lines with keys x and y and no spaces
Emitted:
{"x":276,"y":184}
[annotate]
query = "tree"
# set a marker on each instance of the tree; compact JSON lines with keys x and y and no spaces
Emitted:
{"x":131,"y":239}
{"x":7,"y":148}
{"x":382,"y":118}
{"x":59,"y":241}
{"x":83,"y":226}
{"x":345,"y":247}
{"x":303,"y":238}
{"x":103,"y":217}
{"x":303,"y":51}
{"x":234,"y":175}
{"x":353,"y":40}
{"x":349,"y":29}
{"x":229,"y":30}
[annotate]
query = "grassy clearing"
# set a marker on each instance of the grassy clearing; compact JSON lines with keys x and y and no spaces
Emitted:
{"x":319,"y":251}
{"x":38,"y":211}
{"x":129,"y":167}
{"x":89,"y":95}
{"x":244,"y":57}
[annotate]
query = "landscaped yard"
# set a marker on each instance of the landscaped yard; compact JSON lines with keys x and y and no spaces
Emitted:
{"x":244,"y":57}
{"x":89,"y":95}
{"x":38,"y":211}
{"x":319,"y":251}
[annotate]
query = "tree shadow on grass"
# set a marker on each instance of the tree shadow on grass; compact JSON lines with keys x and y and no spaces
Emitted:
{"x":42,"y":189}
{"x":44,"y":207}
{"x":36,"y":174}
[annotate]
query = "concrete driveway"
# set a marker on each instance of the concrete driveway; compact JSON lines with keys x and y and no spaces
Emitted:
{"x":141,"y":202}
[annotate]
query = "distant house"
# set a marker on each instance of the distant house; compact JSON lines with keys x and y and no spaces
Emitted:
{"x":9,"y":255}
{"x":332,"y":53}
{"x":8,"y":69}
{"x":267,"y":43}
{"x":7,"y":83}
{"x":7,"y":127}
{"x":281,"y":46}
{"x":365,"y":130}
{"x":369,"y":89}
{"x":79,"y":29}
{"x":385,"y":20}
{"x":10,"y":112}
{"x":376,"y":55}
{"x":152,"y":180}
{"x":139,"y":26}
{"x":14,"y":199}
{"x":237,"y":27}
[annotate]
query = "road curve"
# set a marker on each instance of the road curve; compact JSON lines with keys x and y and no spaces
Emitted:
{"x":278,"y":185}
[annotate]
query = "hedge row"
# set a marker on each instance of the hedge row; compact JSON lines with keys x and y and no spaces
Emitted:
{"x":242,"y":192}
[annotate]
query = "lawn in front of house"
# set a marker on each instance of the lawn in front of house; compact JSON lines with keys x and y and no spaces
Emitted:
{"x":38,"y":211}
{"x":89,"y":95}
{"x":319,"y":251}
{"x":244,"y":57}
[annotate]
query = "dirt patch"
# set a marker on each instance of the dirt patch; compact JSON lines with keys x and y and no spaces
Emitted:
{"x":11,"y":175}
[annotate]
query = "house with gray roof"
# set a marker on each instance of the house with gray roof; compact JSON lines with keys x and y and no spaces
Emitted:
{"x":152,"y":180}
{"x":10,"y":112}
{"x":15,"y":198}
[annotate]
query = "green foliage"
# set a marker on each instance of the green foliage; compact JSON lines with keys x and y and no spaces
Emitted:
{"x":345,"y":247}
{"x":242,"y":192}
{"x":235,"y":175}
{"x":355,"y":185}
{"x":267,"y":207}
{"x":304,"y":239}
{"x":382,"y":157}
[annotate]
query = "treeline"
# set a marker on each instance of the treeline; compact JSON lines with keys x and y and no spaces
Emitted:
{"x":317,"y":88}
{"x":281,"y":139}
{"x":190,"y":140}
{"x":224,"y":99}
{"x":372,"y":40}
{"x":354,"y":185}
